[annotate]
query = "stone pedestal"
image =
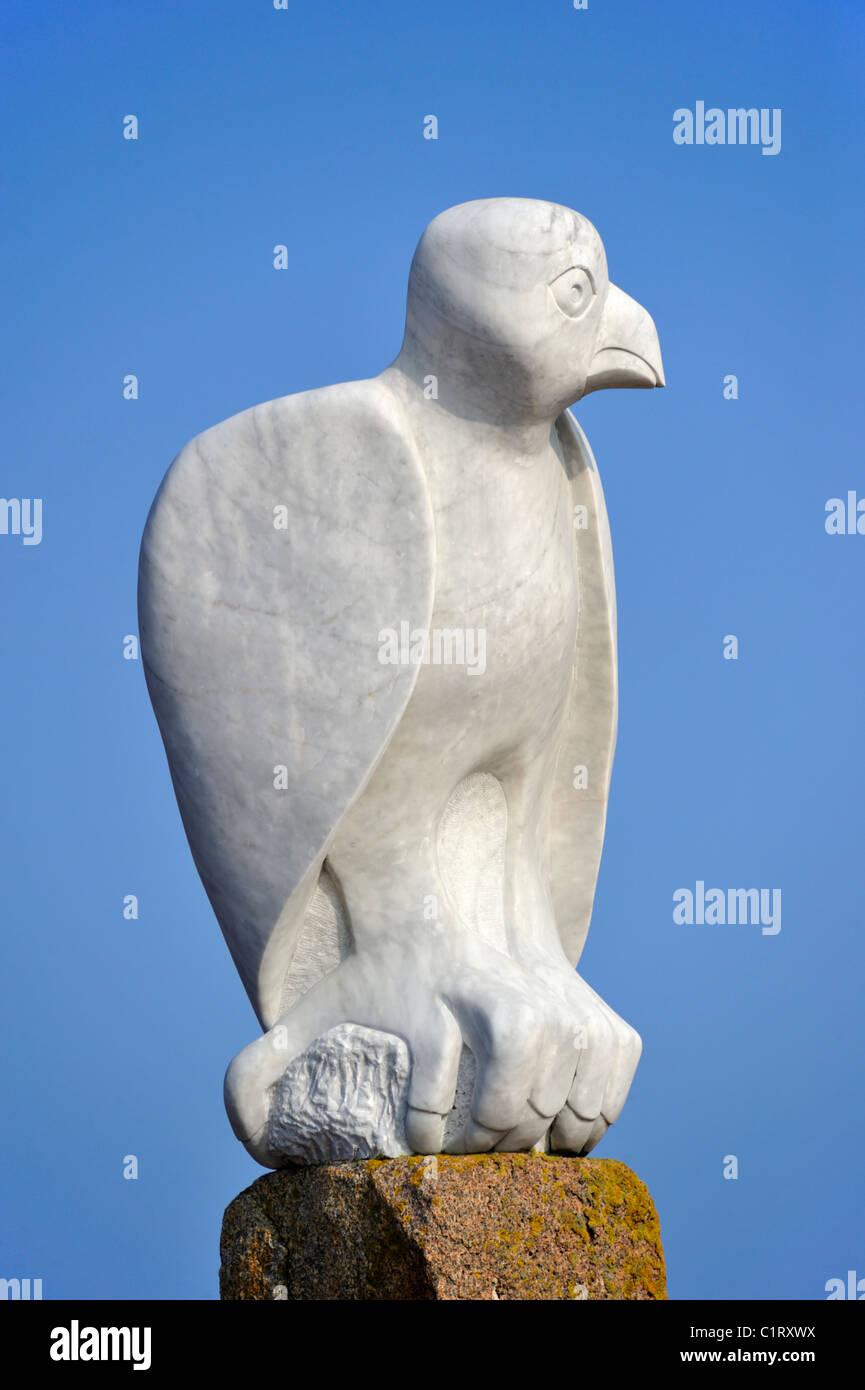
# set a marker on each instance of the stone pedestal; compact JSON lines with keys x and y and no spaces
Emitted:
{"x":479,"y":1226}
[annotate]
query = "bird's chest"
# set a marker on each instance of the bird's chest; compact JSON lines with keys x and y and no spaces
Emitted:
{"x":507,"y":596}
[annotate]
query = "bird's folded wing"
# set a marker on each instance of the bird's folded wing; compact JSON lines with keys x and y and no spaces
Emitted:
{"x":579,"y":812}
{"x":280,"y":545}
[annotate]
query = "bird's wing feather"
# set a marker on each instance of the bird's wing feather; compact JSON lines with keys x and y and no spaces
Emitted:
{"x":261,"y":644}
{"x":578,"y":815}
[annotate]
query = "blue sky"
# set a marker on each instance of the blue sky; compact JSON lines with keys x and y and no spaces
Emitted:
{"x":154,"y":257}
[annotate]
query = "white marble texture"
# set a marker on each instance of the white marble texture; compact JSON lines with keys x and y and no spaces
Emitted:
{"x":399,"y":852}
{"x":343,"y":1097}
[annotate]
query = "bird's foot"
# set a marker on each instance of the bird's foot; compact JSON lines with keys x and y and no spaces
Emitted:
{"x":607,"y":1053}
{"x":546,"y":1051}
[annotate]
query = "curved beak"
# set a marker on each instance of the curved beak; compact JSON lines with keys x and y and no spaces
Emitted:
{"x":628,"y":352}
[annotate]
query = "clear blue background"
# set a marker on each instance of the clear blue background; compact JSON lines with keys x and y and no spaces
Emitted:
{"x":304,"y":127}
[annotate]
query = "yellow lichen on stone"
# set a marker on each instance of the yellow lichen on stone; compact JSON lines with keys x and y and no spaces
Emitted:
{"x":502,"y":1226}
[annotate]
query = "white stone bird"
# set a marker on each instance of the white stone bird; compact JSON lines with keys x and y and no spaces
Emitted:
{"x":378,"y":628}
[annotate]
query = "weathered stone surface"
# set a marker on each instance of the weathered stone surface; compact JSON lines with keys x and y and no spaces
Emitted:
{"x":487,"y":1226}
{"x":342,"y":1098}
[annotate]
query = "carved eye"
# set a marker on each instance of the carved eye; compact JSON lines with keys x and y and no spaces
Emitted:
{"x":573,"y":291}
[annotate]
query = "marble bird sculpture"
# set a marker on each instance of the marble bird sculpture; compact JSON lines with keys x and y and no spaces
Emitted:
{"x":393,"y":836}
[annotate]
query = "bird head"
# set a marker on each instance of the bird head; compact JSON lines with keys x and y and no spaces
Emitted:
{"x":510,"y":305}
